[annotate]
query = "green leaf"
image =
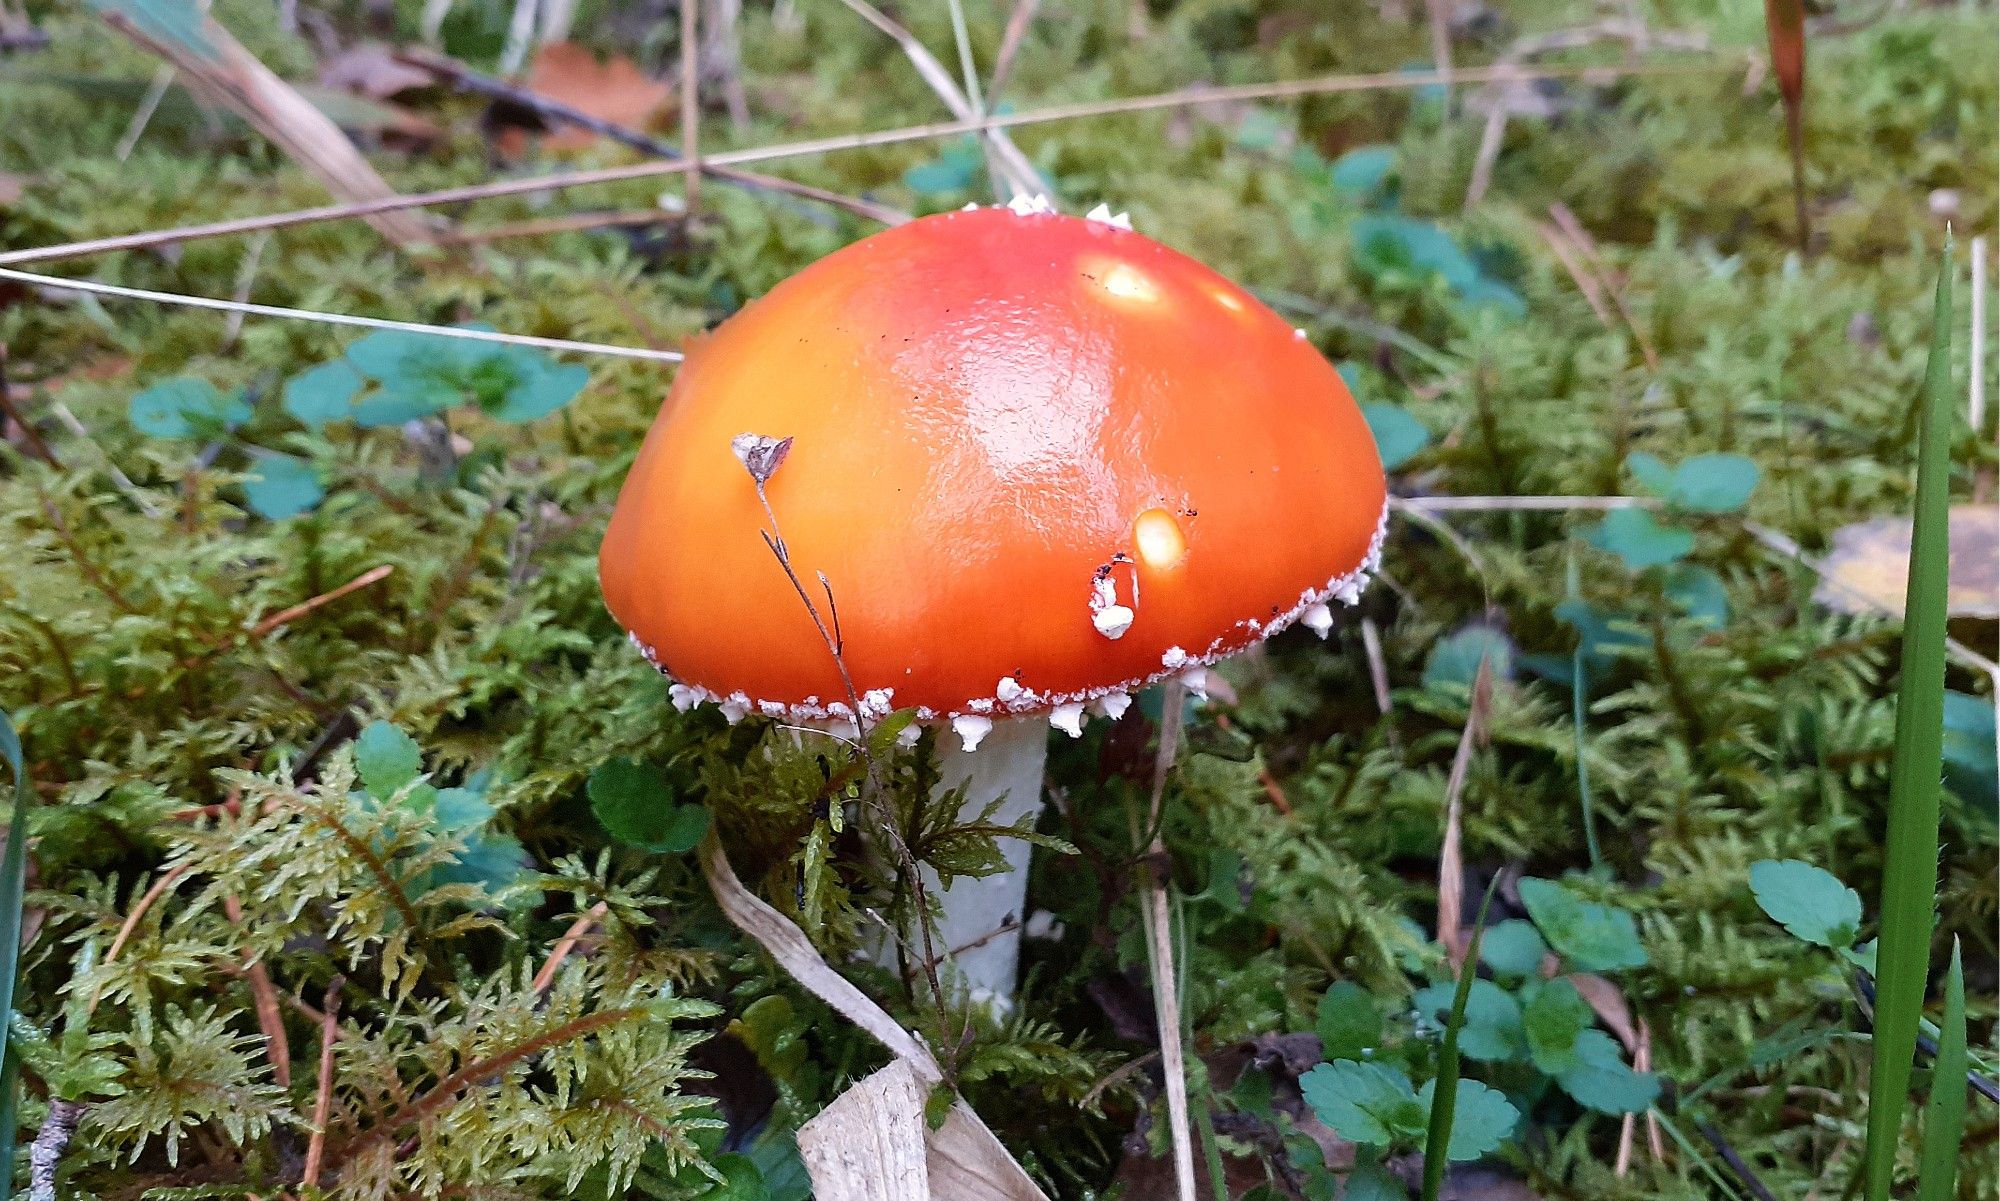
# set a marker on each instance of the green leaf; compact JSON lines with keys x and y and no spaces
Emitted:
{"x":1600,"y":1079}
{"x":1651,"y":471}
{"x":1368,"y":1103}
{"x":13,"y":885}
{"x":1372,"y":1182}
{"x":323,"y":393}
{"x":1398,"y":435}
{"x":1513,"y":948}
{"x":1638,"y":538}
{"x":1492,"y":1029}
{"x":635,"y":805}
{"x":1553,"y":1021}
{"x":1386,"y":243}
{"x":1910,"y":854}
{"x":541,"y":387}
{"x":1481,"y":1118}
{"x":1944,"y":1114}
{"x":387,"y":759}
{"x":1971,"y":769}
{"x":1594,"y":937}
{"x":1455,"y":658}
{"x":1807,"y":900}
{"x":1699,"y":593}
{"x":280,"y":486}
{"x":1363,"y":170}
{"x":1349,"y":1025}
{"x":187,"y":407}
{"x":741,"y":1181}
{"x":1713,"y":483}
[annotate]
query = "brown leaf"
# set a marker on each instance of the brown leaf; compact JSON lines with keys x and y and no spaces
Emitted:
{"x":371,"y":69}
{"x":614,"y":90}
{"x":1785,"y":21}
{"x":12,"y":188}
{"x":1608,"y":1001}
{"x":1868,"y":570}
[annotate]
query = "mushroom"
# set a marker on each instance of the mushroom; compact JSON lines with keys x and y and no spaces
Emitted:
{"x":1023,"y":464}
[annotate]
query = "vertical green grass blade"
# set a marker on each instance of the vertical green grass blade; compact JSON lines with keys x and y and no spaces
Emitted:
{"x":1944,"y":1116}
{"x":13,"y":882}
{"x":1444,"y":1094}
{"x":1579,"y":708}
{"x":1909,"y":873}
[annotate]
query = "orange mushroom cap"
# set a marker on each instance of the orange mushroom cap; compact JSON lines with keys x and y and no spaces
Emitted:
{"x":1040,"y":460}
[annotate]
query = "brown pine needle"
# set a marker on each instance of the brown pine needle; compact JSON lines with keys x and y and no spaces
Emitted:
{"x":567,"y":943}
{"x":329,"y":1034}
{"x":265,"y":997}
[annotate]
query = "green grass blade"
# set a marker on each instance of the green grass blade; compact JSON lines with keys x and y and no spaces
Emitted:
{"x":1909,"y":874}
{"x":1944,"y":1116}
{"x":1579,"y":708}
{"x":13,"y":883}
{"x":1444,"y":1094}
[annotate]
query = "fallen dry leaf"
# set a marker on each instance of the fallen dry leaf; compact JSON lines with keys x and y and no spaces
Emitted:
{"x":371,"y":69}
{"x":613,"y":90}
{"x":12,"y":188}
{"x":1868,"y":569}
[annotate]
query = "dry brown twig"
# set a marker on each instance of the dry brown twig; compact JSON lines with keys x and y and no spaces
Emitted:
{"x":329,"y":1034}
{"x":264,"y":996}
{"x":567,"y":943}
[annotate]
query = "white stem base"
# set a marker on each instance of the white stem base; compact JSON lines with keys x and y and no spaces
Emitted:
{"x":978,"y":934}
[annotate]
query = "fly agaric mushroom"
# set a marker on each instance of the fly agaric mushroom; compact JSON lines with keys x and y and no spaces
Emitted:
{"x":1039,"y":462}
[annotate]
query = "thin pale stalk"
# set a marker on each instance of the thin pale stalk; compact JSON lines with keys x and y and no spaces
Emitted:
{"x":1909,"y":869}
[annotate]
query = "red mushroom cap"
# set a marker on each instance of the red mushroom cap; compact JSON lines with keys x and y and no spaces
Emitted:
{"x":1039,"y":460}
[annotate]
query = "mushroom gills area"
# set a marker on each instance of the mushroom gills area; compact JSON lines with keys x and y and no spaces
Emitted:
{"x":980,"y":919}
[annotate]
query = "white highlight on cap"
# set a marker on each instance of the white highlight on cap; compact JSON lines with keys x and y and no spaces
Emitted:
{"x":973,"y":730}
{"x":1103,"y":215}
{"x":1029,"y":206}
{"x":1068,"y":718}
{"x":1173,"y":658}
{"x":684,"y":697}
{"x":735,"y":707}
{"x":1317,"y":618}
{"x":908,"y":735}
{"x":1008,"y":690}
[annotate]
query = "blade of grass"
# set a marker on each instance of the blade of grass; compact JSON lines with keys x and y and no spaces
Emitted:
{"x":1785,"y":21}
{"x":13,"y":882}
{"x":1444,"y":1094}
{"x":1944,"y":1116}
{"x":1579,"y":707}
{"x":1909,"y":870}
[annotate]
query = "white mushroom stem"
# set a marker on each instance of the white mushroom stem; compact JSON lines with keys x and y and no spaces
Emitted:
{"x":979,"y":924}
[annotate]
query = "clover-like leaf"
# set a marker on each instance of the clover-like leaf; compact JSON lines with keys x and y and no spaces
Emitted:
{"x":187,"y":407}
{"x":1370,"y":1103}
{"x":1637,"y":537}
{"x":1600,"y":1079}
{"x":323,"y":393}
{"x":1809,"y":901}
{"x":1513,"y":948}
{"x":635,"y":803}
{"x":1399,"y":437}
{"x":386,"y":758}
{"x":280,"y":486}
{"x":1482,"y":1118}
{"x":1492,"y":1028}
{"x":1594,"y":937}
